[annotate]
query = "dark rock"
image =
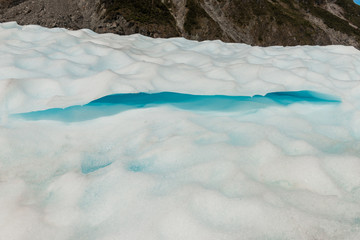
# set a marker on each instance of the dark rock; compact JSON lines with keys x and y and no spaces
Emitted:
{"x":260,"y":22}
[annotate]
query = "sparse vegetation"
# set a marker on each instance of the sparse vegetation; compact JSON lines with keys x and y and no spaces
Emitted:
{"x":195,"y":12}
{"x":352,"y":14}
{"x":351,"y":11}
{"x":9,"y":3}
{"x":256,"y":22}
{"x":285,"y":17}
{"x":281,"y":16}
{"x":199,"y":23}
{"x":333,"y":21}
{"x":142,"y":11}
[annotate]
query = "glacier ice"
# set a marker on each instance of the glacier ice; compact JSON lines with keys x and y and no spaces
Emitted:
{"x":113,"y":104}
{"x":127,"y":137}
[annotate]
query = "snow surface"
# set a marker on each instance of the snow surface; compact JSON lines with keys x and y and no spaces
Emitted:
{"x":127,"y":137}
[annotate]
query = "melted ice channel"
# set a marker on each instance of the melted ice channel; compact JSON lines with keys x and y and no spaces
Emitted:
{"x":127,"y":137}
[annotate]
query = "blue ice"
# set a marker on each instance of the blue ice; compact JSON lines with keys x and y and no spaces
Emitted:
{"x":136,"y":167}
{"x":92,"y":164}
{"x":114,"y":104}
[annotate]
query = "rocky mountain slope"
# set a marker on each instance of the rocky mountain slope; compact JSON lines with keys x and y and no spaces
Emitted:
{"x":256,"y":22}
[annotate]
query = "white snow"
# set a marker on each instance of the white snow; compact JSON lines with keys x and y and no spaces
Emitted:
{"x":195,"y":166}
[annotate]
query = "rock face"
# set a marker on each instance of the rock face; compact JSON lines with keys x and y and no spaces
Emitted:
{"x":50,"y":13}
{"x":255,"y":22}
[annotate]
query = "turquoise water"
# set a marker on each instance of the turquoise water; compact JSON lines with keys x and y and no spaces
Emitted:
{"x":114,"y":104}
{"x":357,"y":2}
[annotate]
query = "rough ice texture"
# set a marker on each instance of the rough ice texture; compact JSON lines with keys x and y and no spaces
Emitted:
{"x":196,"y":164}
{"x":44,"y":68}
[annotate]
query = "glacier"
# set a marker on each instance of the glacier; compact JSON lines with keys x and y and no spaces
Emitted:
{"x":128,"y":137}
